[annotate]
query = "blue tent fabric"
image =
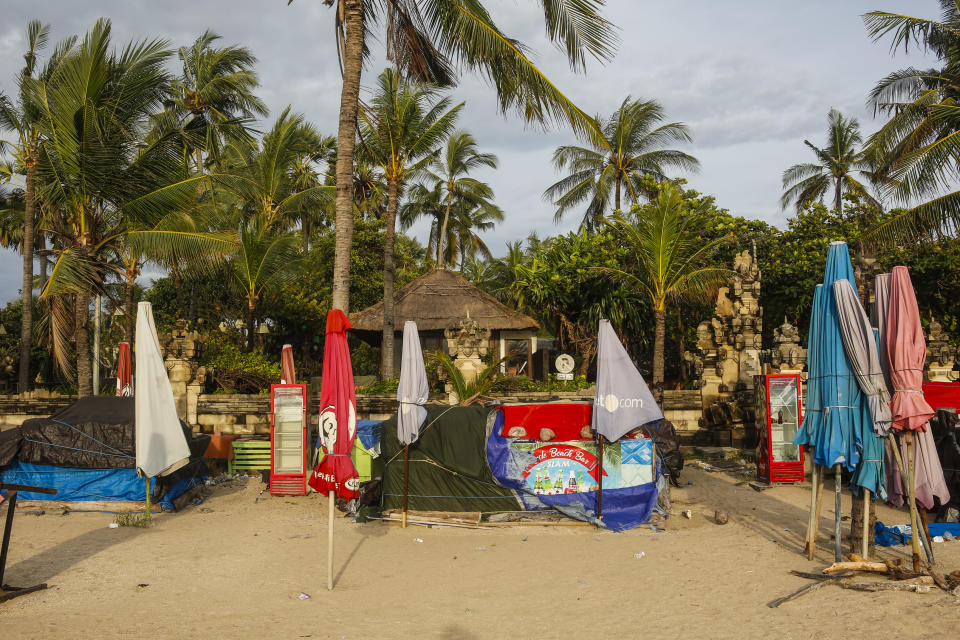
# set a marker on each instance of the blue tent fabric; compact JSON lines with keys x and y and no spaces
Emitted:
{"x":75,"y":485}
{"x":838,"y":437}
{"x":622,"y":508}
{"x":368,"y":433}
{"x":900,"y":534}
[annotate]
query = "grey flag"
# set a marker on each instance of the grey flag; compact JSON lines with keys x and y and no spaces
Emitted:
{"x":413,"y":390}
{"x":860,"y":345}
{"x":622,"y":402}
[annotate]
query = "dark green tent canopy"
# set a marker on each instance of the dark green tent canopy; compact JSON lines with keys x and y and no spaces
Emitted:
{"x":448,"y":465}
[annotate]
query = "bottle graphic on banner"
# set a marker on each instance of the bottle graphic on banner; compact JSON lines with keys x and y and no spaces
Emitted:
{"x":571,"y":484}
{"x":580,"y":485}
{"x":547,"y":488}
{"x":558,"y":483}
{"x":538,"y":483}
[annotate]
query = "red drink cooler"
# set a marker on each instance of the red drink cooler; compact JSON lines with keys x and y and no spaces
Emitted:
{"x":779,"y":405}
{"x":288,"y":439}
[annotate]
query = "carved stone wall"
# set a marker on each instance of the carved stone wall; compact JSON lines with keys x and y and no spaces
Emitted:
{"x":941,"y":355}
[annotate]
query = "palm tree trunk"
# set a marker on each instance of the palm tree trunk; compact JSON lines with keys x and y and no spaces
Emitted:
{"x":178,"y":287}
{"x":128,"y":315}
{"x":386,"y":343}
{"x":26,"y":293}
{"x":838,"y":197}
{"x":251,"y":307}
{"x":346,"y":138}
{"x":443,"y":228}
{"x":84,"y":362}
{"x":660,"y":317}
{"x":618,"y":193}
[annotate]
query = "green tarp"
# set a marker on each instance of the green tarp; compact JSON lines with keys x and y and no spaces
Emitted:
{"x":448,"y":468}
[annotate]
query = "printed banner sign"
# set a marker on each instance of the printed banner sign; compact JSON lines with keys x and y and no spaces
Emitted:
{"x":572,"y":467}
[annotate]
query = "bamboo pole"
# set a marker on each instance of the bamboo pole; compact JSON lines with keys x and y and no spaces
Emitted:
{"x":865,"y":546}
{"x":330,"y":501}
{"x":925,"y":530}
{"x":915,"y":537}
{"x":837,"y":550}
{"x":811,"y":541}
{"x":148,"y":498}
{"x":406,"y":468}
{"x":925,"y":535}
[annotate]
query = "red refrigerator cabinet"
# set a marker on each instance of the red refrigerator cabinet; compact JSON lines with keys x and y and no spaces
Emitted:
{"x":779,"y":405}
{"x":288,"y":439}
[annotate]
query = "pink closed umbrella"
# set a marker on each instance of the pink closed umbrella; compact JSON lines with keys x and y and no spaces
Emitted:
{"x":335,"y":474}
{"x":287,"y":375}
{"x":124,"y":371}
{"x":906,"y":352}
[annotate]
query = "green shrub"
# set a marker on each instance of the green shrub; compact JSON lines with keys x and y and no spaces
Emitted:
{"x":511,"y":385}
{"x":380,"y":387}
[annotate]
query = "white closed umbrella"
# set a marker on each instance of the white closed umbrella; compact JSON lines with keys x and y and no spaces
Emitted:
{"x":161,"y":444}
{"x":413,"y":391}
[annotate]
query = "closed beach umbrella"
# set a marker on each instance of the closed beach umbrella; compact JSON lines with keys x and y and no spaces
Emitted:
{"x":878,"y":318}
{"x":287,"y":374}
{"x":124,"y":371}
{"x":160,"y":442}
{"x":837,"y":440}
{"x":623,"y":402}
{"x":338,"y":414}
{"x":860,"y":345}
{"x":812,"y":406}
{"x":906,"y":351}
{"x":413,"y":389}
{"x":928,"y":475}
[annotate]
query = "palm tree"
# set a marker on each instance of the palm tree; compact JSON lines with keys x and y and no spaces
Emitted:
{"x":917,"y":148}
{"x":670,"y":258}
{"x":404,"y":125}
{"x":631,"y":147}
{"x":466,"y":225}
{"x":460,"y":157}
{"x":426,"y":39}
{"x":213,"y":97}
{"x":21,"y":119}
{"x":99,"y":177}
{"x":834,"y":170}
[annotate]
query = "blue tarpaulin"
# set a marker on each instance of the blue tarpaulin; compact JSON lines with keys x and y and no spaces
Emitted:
{"x":623,"y":508}
{"x":74,"y":484}
{"x":900,"y":534}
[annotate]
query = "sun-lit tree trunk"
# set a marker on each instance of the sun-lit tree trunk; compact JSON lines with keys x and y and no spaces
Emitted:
{"x":129,"y":317}
{"x":178,"y":288}
{"x":838,"y":196}
{"x":251,"y":309}
{"x":346,"y":140}
{"x":617,"y":203}
{"x":660,"y":319}
{"x":443,"y":227}
{"x":386,"y":346}
{"x":26,"y":294}
{"x":84,"y":362}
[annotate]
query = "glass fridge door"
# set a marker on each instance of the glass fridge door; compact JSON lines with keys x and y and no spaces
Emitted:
{"x":784,"y":419}
{"x":288,"y":431}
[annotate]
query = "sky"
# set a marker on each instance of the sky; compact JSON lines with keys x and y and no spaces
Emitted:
{"x":751,"y":79}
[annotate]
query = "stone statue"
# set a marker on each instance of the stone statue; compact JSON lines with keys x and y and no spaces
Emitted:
{"x":787,"y":356}
{"x":941,"y":354}
{"x":467,"y":344}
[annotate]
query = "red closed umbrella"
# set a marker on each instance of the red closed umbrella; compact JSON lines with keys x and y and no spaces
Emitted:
{"x":124,"y":371}
{"x":335,"y":474}
{"x":906,"y":351}
{"x":287,"y":375}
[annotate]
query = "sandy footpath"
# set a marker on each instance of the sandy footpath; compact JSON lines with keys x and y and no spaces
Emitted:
{"x":234,"y":566}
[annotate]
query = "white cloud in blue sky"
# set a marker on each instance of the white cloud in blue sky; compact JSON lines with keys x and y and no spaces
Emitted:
{"x":752,"y":79}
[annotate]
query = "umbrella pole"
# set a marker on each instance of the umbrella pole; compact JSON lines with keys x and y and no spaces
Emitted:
{"x":837,"y":551}
{"x":406,"y":466}
{"x":925,"y":532}
{"x":903,"y":475}
{"x":330,"y":500}
{"x":600,"y":481}
{"x":816,"y":513}
{"x":915,"y":537}
{"x":866,"y":523}
{"x":811,"y":541}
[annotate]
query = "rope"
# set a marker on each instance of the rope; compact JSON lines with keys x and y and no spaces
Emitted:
{"x":422,"y":431}
{"x":907,"y":391}
{"x":63,"y":446}
{"x":86,"y":435}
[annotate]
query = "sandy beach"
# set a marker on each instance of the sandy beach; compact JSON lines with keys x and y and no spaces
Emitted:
{"x":235,"y":566}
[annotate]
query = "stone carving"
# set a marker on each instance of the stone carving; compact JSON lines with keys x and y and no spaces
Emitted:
{"x":787,"y":356}
{"x":467,"y":344}
{"x":187,"y":378}
{"x":182,"y":342}
{"x":941,"y":355}
{"x":729,"y":343}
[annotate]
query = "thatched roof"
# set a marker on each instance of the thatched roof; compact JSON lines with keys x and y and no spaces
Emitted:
{"x":438,"y":300}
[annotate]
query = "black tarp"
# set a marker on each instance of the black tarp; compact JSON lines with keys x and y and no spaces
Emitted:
{"x":944,"y":428}
{"x":95,"y":432}
{"x":448,"y":468}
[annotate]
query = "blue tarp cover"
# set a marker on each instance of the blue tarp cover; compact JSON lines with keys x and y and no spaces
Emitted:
{"x":622,"y":508}
{"x":88,"y":484}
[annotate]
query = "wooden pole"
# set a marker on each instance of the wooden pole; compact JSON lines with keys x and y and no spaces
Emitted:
{"x":837,"y":550}
{"x":915,"y":535}
{"x":406,"y":468}
{"x":148,"y":498}
{"x":600,"y":478}
{"x":925,"y":530}
{"x":865,"y":547}
{"x":330,"y":501}
{"x":811,"y":541}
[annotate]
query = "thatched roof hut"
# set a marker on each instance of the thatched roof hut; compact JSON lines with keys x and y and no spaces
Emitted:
{"x":439,"y":300}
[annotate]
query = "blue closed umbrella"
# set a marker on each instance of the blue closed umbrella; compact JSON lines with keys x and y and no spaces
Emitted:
{"x":812,"y":408}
